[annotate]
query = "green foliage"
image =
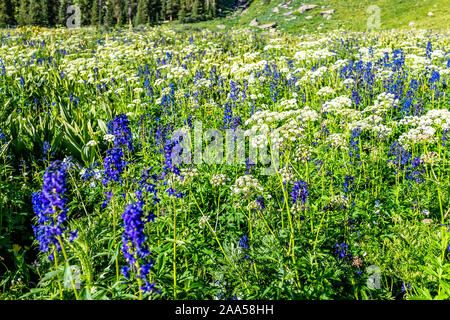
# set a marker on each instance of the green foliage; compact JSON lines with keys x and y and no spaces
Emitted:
{"x":215,"y":240}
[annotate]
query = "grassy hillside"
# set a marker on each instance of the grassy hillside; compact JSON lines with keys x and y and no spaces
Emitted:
{"x":349,"y":14}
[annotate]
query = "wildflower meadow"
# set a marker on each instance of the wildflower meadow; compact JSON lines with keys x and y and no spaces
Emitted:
{"x":171,"y":163}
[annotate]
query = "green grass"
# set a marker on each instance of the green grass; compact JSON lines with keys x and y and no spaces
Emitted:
{"x":351,"y":15}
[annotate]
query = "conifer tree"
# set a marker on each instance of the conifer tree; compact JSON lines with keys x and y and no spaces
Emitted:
{"x":122,"y":13}
{"x":22,"y":16}
{"x":154,"y":8}
{"x":109,"y":13}
{"x":37,"y":13}
{"x":142,"y":13}
{"x":6,"y":14}
{"x":62,"y":12}
{"x":86,"y":10}
{"x":95,"y":13}
{"x":51,"y":9}
{"x":182,"y":10}
{"x":194,"y":14}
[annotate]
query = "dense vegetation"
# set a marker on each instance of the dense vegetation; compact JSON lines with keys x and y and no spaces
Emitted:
{"x":106,"y":12}
{"x":93,"y":204}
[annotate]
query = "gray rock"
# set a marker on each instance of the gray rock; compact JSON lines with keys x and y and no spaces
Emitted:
{"x":268,"y":25}
{"x":287,"y":13}
{"x":327,"y":12}
{"x":221,"y":26}
{"x":276,"y":10}
{"x":306,"y":7}
{"x":308,"y":17}
{"x":254,"y":23}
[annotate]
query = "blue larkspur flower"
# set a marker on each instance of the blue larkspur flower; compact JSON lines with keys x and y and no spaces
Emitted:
{"x":300,"y":192}
{"x":134,"y":247}
{"x":120,"y":128}
{"x":114,"y":164}
{"x":50,"y":208}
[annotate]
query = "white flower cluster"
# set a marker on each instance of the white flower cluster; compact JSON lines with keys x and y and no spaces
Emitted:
{"x":298,"y":208}
{"x":439,"y":118}
{"x":313,"y":54}
{"x":109,"y":137}
{"x":202,"y":83}
{"x":349,"y":81}
{"x":245,"y":185}
{"x":373,"y":124}
{"x":437,"y":54}
{"x":91,"y":143}
{"x":266,"y":116}
{"x":286,"y":125}
{"x":384,"y":102}
{"x":310,"y":77}
{"x":307,"y":114}
{"x":290,"y":131}
{"x":202,"y":221}
{"x":416,"y":63}
{"x":337,"y":140}
{"x":340,"y":201}
{"x":424,"y":127}
{"x":254,"y":205}
{"x":432,"y":158}
{"x":325,"y":92}
{"x":288,"y":104}
{"x":189,"y":173}
{"x":259,"y":141}
{"x":303,"y":153}
{"x":179,"y":94}
{"x":337,"y":103}
{"x":286,"y":174}
{"x":219,"y":180}
{"x":422,"y":133}
{"x":165,"y":91}
{"x":96,"y":173}
{"x":338,"y":64}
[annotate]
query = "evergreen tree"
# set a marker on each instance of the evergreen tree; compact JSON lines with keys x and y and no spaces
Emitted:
{"x":22,"y":16}
{"x":194,"y":14}
{"x":108,"y":12}
{"x":95,"y":12}
{"x":86,"y":10}
{"x":182,"y":10}
{"x":6,"y":14}
{"x":123,"y":12}
{"x":51,"y":8}
{"x":37,"y":13}
{"x":169,"y":9}
{"x":129,"y":9}
{"x":142,"y":13}
{"x":154,"y":9}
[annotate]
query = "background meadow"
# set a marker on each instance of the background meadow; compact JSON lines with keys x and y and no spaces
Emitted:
{"x":92,"y":205}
